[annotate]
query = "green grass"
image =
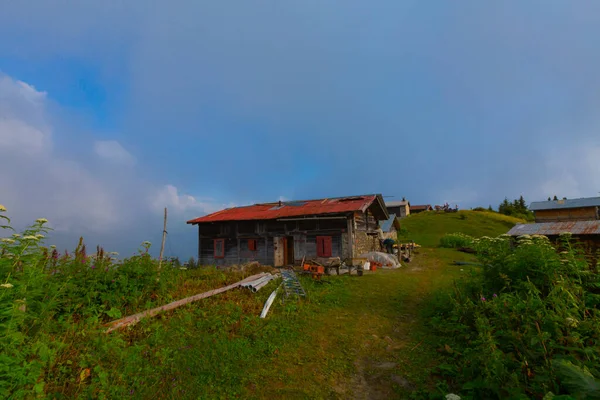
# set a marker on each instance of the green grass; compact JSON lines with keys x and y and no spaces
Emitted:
{"x":427,"y":228}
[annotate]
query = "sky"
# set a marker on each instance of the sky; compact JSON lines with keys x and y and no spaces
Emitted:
{"x":111,"y":111}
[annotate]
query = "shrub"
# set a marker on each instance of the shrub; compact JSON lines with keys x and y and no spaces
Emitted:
{"x":456,"y":240}
{"x":527,"y":326}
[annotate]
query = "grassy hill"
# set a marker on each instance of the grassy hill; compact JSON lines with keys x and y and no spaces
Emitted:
{"x":427,"y":228}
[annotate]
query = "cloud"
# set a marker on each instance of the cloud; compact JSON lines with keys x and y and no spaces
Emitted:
{"x":78,"y":197}
{"x":112,"y":151}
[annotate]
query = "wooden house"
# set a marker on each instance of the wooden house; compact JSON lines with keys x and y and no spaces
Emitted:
{"x":580,"y":217}
{"x":420,"y":208}
{"x":583,"y":209}
{"x":400,"y":208}
{"x":283,"y":233}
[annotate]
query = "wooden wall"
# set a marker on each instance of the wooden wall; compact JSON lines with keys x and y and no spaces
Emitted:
{"x":572,"y":214}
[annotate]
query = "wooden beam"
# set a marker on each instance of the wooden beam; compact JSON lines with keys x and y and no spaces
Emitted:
{"x":134,"y":319}
{"x":350,"y":228}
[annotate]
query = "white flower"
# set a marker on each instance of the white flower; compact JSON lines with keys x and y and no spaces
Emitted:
{"x":30,"y":237}
{"x":452,"y":396}
{"x":39,"y":236}
{"x":41,"y":221}
{"x":7,"y":240}
{"x":146,"y":243}
{"x":6,"y":285}
{"x":16,"y":235}
{"x":52,"y":246}
{"x":113,"y":253}
{"x":2,"y":208}
{"x":572,"y":322}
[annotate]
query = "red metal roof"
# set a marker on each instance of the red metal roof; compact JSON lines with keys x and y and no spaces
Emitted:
{"x":421,"y":207}
{"x":291,"y":209}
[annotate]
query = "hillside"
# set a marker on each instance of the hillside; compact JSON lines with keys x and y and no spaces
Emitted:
{"x":427,"y":228}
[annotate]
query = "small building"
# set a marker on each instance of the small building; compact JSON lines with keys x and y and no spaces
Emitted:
{"x":400,"y":208}
{"x":420,"y":208}
{"x":390,"y":227}
{"x":284,"y":233}
{"x":585,"y":233}
{"x":583,"y":209}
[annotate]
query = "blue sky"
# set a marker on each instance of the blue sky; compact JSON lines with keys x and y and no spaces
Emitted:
{"x":110,"y":111}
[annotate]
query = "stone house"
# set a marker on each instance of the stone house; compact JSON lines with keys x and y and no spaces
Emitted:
{"x":285,"y":232}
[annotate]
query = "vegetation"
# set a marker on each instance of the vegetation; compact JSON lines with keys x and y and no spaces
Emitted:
{"x":427,"y":228}
{"x":456,"y":240}
{"x":526,"y":326}
{"x":517,"y":208}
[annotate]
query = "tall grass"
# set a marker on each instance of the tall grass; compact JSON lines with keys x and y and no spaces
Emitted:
{"x":527,"y":326}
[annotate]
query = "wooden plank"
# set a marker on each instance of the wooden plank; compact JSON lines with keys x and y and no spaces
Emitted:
{"x":134,"y":319}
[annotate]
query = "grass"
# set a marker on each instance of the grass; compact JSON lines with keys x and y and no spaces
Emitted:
{"x":427,"y":228}
{"x":354,"y":337}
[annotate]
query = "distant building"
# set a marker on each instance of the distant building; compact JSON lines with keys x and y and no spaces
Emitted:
{"x":583,"y":209}
{"x":283,"y":233}
{"x":420,"y":208}
{"x":580,"y":217}
{"x":400,"y":208}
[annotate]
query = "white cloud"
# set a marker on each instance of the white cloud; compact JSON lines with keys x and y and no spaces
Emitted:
{"x":168,"y":196}
{"x":18,"y":136}
{"x":112,"y":151}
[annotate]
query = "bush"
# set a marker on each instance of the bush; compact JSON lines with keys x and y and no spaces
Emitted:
{"x":527,"y":326}
{"x":49,"y":301}
{"x":456,"y":240}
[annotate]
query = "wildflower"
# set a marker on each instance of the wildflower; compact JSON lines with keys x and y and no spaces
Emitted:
{"x":483,"y":299}
{"x":7,"y":240}
{"x":2,"y":208}
{"x":495,"y":295}
{"x":41,"y":221}
{"x":146,"y":243}
{"x":93,"y":266}
{"x":572,"y":322}
{"x":52,"y":246}
{"x":113,"y":253}
{"x":452,"y":396}
{"x":6,"y":285}
{"x":39,"y":236}
{"x":16,"y":235}
{"x":30,"y":237}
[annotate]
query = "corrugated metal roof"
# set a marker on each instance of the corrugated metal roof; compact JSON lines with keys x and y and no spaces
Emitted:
{"x":397,"y":203}
{"x":270,"y":211}
{"x":568,"y":203}
{"x":556,"y":228}
{"x":386,"y":226}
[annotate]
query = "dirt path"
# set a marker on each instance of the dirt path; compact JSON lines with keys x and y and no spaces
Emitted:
{"x":375,"y":343}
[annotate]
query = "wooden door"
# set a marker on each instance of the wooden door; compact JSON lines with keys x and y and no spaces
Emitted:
{"x":279,"y":248}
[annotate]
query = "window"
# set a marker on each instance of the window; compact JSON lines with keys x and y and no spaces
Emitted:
{"x":219,"y":248}
{"x":323,"y":246}
{"x":252,"y":245}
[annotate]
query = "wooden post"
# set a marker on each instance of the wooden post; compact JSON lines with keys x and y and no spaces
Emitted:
{"x":349,"y":228}
{"x":164,"y":237}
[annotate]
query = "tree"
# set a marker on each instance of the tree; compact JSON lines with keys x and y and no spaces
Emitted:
{"x":555,"y":198}
{"x":549,"y":198}
{"x":490,"y":208}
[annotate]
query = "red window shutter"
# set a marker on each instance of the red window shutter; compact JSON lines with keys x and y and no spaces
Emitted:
{"x":252,"y":244}
{"x":219,"y":247}
{"x":324,"y":246}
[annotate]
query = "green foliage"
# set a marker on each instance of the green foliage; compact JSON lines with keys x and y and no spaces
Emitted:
{"x":517,"y":208}
{"x":456,"y":240}
{"x":527,"y":325}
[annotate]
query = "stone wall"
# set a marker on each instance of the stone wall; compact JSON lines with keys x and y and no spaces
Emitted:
{"x":364,"y":243}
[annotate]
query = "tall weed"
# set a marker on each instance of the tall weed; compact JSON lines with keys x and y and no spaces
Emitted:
{"x":525,"y":325}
